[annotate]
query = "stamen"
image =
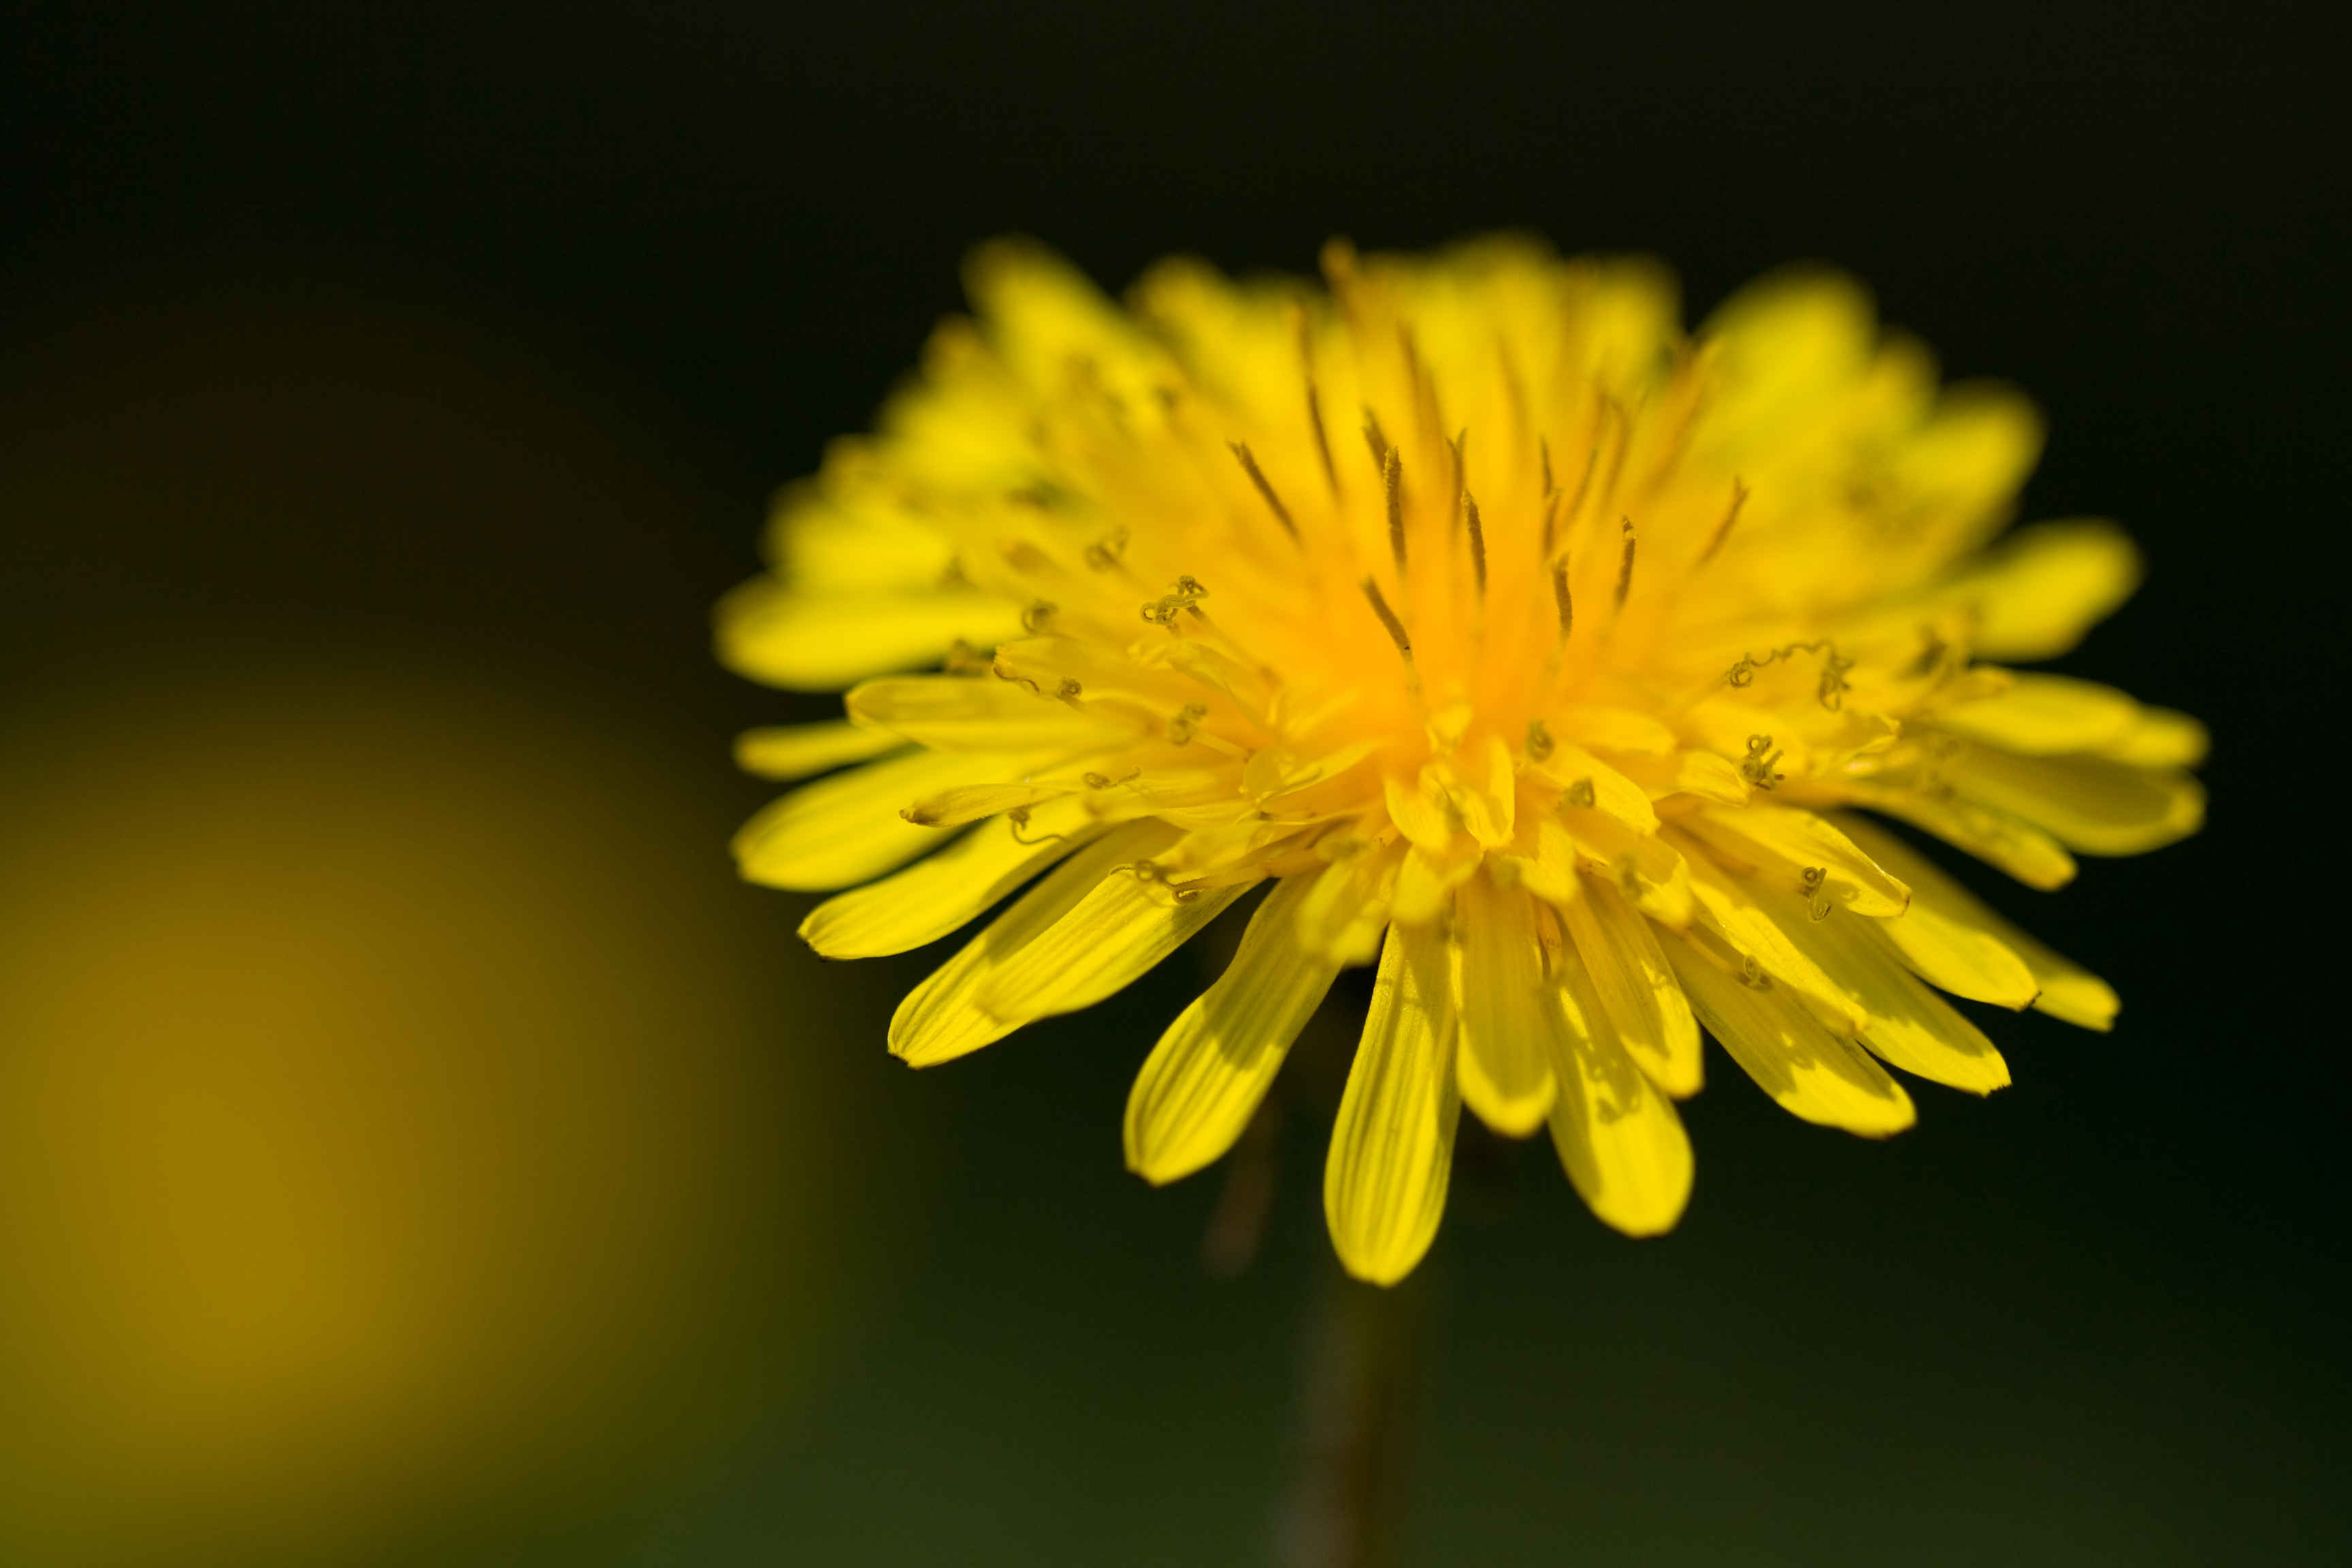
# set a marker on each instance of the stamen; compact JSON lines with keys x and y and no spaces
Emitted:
{"x":1477,"y":541}
{"x":1389,"y":619}
{"x":1723,"y":529}
{"x":1186,"y":724}
{"x":1150,"y":873}
{"x":1449,"y":801}
{"x":1625,"y":565}
{"x":1623,"y":423}
{"x":1105,"y":553}
{"x":1393,"y":482}
{"x":1932,"y":650}
{"x":1314,"y":398}
{"x":1628,"y":867}
{"x":1565,"y":601}
{"x":1322,"y":441}
{"x":1257,"y":477}
{"x":1817,"y":897}
{"x":1687,"y":384}
{"x":1515,"y":387}
{"x":1373,"y":438}
{"x":1457,"y":448}
{"x":1343,"y":849}
{"x":1832,"y":687}
{"x":1756,"y":767}
{"x":1567,"y":514}
{"x":1163,"y":611}
{"x":1018,"y":818}
{"x":1419,"y":385}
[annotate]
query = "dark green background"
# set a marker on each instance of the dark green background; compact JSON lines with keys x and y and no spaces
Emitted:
{"x":490,"y":328}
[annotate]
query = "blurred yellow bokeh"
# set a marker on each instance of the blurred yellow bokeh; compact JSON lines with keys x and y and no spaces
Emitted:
{"x":395,"y":1133}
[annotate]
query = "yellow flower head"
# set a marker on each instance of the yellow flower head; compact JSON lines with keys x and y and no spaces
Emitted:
{"x":1527,"y":646}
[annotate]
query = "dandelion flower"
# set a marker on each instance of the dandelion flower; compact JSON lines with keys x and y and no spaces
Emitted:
{"x":1548,"y":657}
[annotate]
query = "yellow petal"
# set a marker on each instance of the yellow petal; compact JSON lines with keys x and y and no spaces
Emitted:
{"x":1918,"y":1031}
{"x":848,"y":532}
{"x":2045,"y":715}
{"x":1964,"y":467}
{"x":845,"y":829}
{"x":2070,"y":992}
{"x":1910,"y":1026}
{"x":1614,"y":729}
{"x":1783,"y":844}
{"x":1619,"y":1138}
{"x":1815,"y":1074}
{"x":972,"y":803}
{"x":2036,"y":593}
{"x":1950,"y":937}
{"x":1508,"y":1019}
{"x":789,"y":752}
{"x":1427,"y":876}
{"x":964,"y":713}
{"x":1045,"y":662}
{"x":1646,"y":868}
{"x":940,"y":1019}
{"x":1233,"y":852}
{"x":1343,"y":914}
{"x":1728,"y":906}
{"x":1205,"y":1078}
{"x":940,"y":892}
{"x":1996,"y":838}
{"x":1172,"y":789}
{"x":1646,"y":1007}
{"x":1295,"y":780}
{"x":1787,"y":344}
{"x":1109,"y":940}
{"x":1482,"y":790}
{"x":821,"y":642}
{"x":1045,"y":314}
{"x":1393,"y":1146}
{"x":2162,"y":738}
{"x":1702,"y":774}
{"x":1588,"y":780}
{"x":2088,"y":804}
{"x":1421,"y":813}
{"x":1549,"y":872}
{"x":1942,"y":937}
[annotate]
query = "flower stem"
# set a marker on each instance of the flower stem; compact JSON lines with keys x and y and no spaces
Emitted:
{"x":1355,"y":1416}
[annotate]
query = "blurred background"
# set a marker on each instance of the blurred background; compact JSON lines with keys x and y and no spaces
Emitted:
{"x":417,"y":1148}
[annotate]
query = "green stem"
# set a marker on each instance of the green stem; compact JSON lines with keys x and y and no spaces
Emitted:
{"x":1355,"y":1417}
